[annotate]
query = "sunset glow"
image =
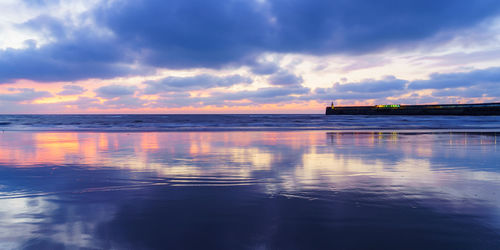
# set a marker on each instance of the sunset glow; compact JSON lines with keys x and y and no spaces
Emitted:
{"x":98,"y":57}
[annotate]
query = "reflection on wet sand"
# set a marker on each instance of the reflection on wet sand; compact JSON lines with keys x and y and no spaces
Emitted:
{"x":306,"y":189}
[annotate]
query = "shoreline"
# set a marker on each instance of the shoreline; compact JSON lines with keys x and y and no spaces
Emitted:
{"x":367,"y":131}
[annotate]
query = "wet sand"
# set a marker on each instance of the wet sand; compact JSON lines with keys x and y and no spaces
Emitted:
{"x":249,"y":190}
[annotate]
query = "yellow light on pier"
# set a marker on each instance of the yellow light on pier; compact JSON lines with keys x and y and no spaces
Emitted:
{"x":388,"y":106}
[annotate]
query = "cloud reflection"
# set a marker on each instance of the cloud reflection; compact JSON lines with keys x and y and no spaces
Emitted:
{"x":110,"y":190}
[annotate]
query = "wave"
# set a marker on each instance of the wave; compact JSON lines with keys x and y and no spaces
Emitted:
{"x":240,"y":122}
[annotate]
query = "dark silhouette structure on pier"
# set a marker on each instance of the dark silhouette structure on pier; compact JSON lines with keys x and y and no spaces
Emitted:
{"x":437,"y":109}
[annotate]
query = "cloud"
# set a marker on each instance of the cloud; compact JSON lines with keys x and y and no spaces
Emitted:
{"x":367,"y":89}
{"x":209,"y":34}
{"x":285,"y":78}
{"x":461,"y":92}
{"x":127,"y":37}
{"x":388,"y":83}
{"x":264,"y":68}
{"x":121,"y":102}
{"x":359,"y":26}
{"x":62,"y":62}
{"x":84,"y":103}
{"x":40,"y":2}
{"x":237,"y":98}
{"x":188,"y":34}
{"x":72,"y":90}
{"x":455,"y":80}
{"x":473,"y":84}
{"x":113,"y":91}
{"x":481,"y":83}
{"x":366,"y":62}
{"x":202,"y":81}
{"x":73,"y":53}
{"x":462,"y":58}
{"x":23,"y":94}
{"x":47,"y":25}
{"x":266,"y":93}
{"x":261,"y":96}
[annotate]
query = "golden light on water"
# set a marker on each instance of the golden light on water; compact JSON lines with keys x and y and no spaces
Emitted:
{"x":311,"y":156}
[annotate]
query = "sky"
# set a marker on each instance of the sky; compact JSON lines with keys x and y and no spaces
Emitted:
{"x":244,"y":56}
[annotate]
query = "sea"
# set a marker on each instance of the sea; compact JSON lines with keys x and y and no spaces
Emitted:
{"x":270,"y":122}
{"x":249,"y":182}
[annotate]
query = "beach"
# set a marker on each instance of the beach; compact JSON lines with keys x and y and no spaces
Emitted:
{"x":261,"y":124}
{"x":304,"y":189}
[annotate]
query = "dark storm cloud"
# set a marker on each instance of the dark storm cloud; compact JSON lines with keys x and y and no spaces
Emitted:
{"x":325,"y":26}
{"x":464,"y":79}
{"x":214,"y":34}
{"x":198,"y":82}
{"x":186,"y":34}
{"x":200,"y":33}
{"x":112,"y":91}
{"x":72,"y":90}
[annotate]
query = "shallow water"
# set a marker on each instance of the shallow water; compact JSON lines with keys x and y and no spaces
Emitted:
{"x":155,"y":123}
{"x":249,"y":190}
